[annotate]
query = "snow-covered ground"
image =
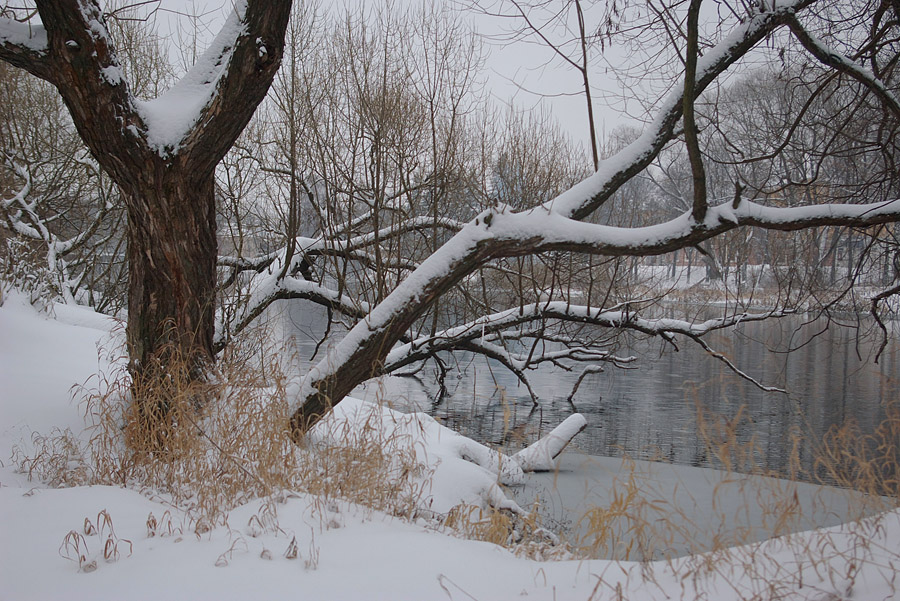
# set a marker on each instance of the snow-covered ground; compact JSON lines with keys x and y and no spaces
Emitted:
{"x":297,"y":545}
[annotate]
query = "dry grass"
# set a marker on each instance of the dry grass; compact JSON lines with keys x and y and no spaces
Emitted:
{"x":523,"y":534}
{"x":206,"y":447}
{"x":364,"y":463}
{"x":218,"y":444}
{"x":868,"y":462}
{"x":225,"y":441}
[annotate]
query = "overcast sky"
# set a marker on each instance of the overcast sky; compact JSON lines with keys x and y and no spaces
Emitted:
{"x":519,"y":73}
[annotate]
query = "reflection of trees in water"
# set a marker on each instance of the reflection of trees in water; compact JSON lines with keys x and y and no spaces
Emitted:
{"x":652,"y":412}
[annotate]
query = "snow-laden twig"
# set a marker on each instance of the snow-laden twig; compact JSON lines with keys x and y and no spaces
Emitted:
{"x":23,"y":216}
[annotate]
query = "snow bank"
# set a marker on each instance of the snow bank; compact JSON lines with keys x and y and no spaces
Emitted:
{"x":41,"y":359}
{"x":455,"y":468}
{"x":296,"y":544}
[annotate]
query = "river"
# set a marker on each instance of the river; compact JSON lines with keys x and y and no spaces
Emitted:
{"x":672,"y":403}
{"x":680,"y":409}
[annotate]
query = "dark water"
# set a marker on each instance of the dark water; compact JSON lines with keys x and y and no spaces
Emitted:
{"x":673,"y":403}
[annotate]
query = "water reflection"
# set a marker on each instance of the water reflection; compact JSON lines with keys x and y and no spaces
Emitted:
{"x":661,"y":409}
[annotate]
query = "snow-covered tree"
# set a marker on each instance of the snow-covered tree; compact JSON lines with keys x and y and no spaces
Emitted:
{"x":163,"y":153}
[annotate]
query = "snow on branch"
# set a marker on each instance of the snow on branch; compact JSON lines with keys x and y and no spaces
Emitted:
{"x":415,"y":224}
{"x":23,"y":216}
{"x":171,"y":116}
{"x":19,"y":197}
{"x":214,"y":101}
{"x":497,"y":233}
{"x":270,"y":287}
{"x":484,"y":336}
{"x":25,"y":46}
{"x":846,"y":65}
{"x":555,"y":226}
{"x":350,"y":249}
{"x":539,"y":456}
{"x":539,"y":230}
{"x":486,"y":326}
{"x":585,"y":197}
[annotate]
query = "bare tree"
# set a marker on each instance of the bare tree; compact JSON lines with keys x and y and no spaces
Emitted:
{"x":564,"y":29}
{"x":61,"y":221}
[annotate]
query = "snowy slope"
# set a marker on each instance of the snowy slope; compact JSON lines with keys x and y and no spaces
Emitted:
{"x":343,"y":551}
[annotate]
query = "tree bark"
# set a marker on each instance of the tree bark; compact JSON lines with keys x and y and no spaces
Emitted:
{"x":171,"y":267}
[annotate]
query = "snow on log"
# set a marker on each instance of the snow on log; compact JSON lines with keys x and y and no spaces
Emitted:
{"x":539,"y":456}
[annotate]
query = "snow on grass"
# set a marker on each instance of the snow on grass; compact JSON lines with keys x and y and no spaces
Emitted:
{"x":298,"y":544}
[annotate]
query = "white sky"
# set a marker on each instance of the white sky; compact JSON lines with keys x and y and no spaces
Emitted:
{"x":519,"y":72}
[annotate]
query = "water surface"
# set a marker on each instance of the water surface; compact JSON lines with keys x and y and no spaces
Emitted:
{"x":673,"y":403}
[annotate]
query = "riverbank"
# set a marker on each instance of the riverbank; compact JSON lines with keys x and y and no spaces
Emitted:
{"x":113,"y":542}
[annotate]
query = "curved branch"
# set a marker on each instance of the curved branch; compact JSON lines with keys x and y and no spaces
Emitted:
{"x":500,"y":354}
{"x":843,"y":64}
{"x":90,"y":80}
{"x":495,"y":234}
{"x":283,"y":289}
{"x":730,"y":364}
{"x":874,"y":312}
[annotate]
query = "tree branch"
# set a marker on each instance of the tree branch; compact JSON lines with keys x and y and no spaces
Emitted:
{"x":690,"y":126}
{"x":845,"y":65}
{"x":92,"y":84}
{"x":24,"y":45}
{"x":238,"y":68}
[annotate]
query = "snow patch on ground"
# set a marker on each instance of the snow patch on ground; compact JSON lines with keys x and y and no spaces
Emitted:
{"x":297,"y":544}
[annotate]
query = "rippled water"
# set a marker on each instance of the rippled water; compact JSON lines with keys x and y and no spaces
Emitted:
{"x":657,"y":410}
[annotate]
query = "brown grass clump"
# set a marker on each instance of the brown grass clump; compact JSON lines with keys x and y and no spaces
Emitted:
{"x":219,"y":442}
{"x":367,"y":465}
{"x":56,"y":459}
{"x":521,"y":533}
{"x":866,"y":462}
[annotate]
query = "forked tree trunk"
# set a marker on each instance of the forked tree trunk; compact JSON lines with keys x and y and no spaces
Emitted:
{"x":166,"y":180}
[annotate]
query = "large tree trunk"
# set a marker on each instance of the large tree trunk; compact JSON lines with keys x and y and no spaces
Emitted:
{"x":171,"y":296}
{"x":166,"y":178}
{"x":171,"y":268}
